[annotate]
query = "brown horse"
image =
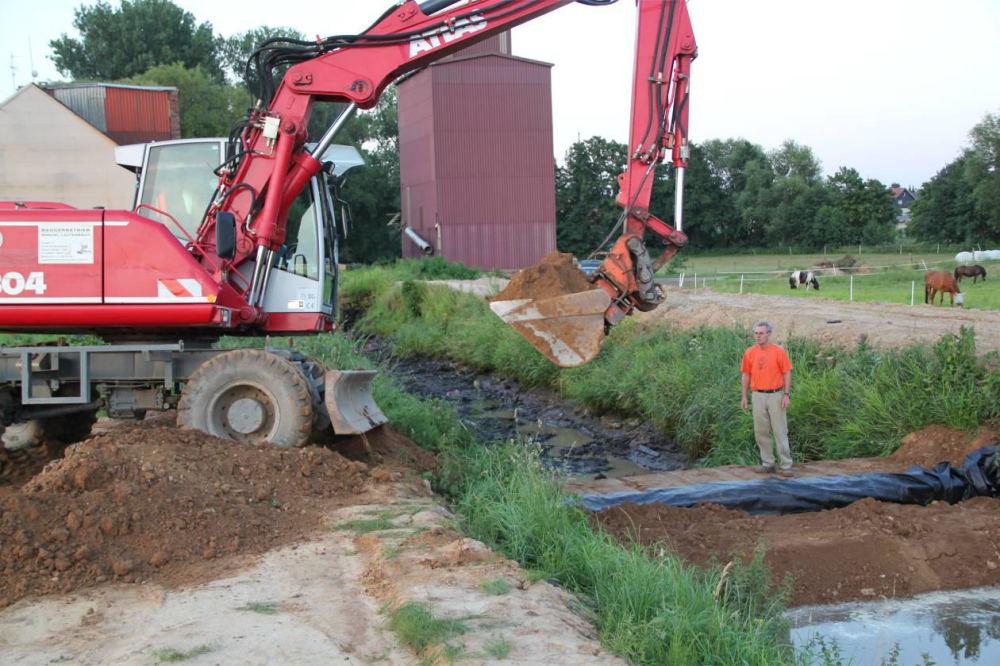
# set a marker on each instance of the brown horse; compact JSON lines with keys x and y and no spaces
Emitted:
{"x":940,"y":281}
{"x":973,"y":272}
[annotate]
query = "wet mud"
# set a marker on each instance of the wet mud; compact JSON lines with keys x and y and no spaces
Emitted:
{"x":571,"y":441}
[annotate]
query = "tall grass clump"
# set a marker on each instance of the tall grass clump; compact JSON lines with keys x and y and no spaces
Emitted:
{"x":845,"y":402}
{"x":649,"y":609}
{"x":433,"y":268}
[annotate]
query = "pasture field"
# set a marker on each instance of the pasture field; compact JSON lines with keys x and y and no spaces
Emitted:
{"x":889,"y":286}
{"x":709,"y":266}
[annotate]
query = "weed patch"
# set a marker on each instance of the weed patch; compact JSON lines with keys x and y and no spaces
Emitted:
{"x":260,"y":607}
{"x":417,"y":628}
{"x":496,"y":586}
{"x":171,"y":655}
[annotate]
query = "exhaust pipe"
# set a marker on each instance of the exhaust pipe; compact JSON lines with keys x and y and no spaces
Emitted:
{"x":424,"y":246}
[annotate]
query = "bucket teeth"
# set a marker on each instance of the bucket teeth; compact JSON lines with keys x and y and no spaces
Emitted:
{"x":568,"y":329}
{"x":349,"y":401}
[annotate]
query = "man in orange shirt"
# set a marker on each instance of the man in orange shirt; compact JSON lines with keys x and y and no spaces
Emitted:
{"x":767,"y":370}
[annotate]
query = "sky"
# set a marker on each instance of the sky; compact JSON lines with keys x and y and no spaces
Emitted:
{"x":888,"y":87}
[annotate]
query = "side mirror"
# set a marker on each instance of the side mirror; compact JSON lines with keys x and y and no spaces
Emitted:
{"x":225,"y":235}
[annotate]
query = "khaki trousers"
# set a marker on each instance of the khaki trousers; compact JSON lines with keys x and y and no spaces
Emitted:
{"x":768,"y":417}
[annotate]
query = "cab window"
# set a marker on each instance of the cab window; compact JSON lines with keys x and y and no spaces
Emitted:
{"x":300,"y":251}
{"x":179,"y":180}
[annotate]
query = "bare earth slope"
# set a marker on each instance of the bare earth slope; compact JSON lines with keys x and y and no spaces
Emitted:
{"x":890,"y":324}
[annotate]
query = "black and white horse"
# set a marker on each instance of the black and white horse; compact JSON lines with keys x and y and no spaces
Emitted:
{"x":803,"y":277}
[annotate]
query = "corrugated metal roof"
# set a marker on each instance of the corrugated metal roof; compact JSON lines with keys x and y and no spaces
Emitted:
{"x":86,"y":102}
{"x":63,"y":86}
{"x":137,"y":115}
{"x":127,"y":114}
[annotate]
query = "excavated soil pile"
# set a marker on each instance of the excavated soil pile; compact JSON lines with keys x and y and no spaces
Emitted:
{"x":555,"y":275}
{"x":935,"y":444}
{"x":863,"y":551}
{"x":149,"y":501}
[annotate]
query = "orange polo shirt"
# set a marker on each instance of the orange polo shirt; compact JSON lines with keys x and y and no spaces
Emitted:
{"x":766,"y":367}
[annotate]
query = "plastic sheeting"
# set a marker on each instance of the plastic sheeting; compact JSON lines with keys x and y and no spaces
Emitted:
{"x":977,"y":477}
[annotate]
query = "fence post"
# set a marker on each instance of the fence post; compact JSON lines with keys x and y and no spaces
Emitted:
{"x":939,"y":248}
{"x":696,"y":279}
{"x":741,"y":284}
{"x":852,"y":287}
{"x":913,"y":290}
{"x":901,"y":248}
{"x":680,"y":283}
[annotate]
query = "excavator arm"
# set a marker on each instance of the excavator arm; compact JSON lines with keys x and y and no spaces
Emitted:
{"x":269,"y":165}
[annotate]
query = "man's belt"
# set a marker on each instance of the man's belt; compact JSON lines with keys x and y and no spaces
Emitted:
{"x":767,"y":390}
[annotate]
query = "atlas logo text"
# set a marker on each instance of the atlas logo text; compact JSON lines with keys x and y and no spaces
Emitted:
{"x":435,"y":38}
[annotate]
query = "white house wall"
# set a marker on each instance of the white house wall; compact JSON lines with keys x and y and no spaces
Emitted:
{"x":48,"y":153}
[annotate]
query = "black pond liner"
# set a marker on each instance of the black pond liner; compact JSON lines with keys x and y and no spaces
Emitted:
{"x":978,"y":477}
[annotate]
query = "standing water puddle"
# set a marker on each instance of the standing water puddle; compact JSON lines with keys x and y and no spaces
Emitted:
{"x":563,"y":448}
{"x":958,"y":628}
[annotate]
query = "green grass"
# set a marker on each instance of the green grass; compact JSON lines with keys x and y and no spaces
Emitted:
{"x":361,"y":526}
{"x":892,"y":286}
{"x":498,"y":647}
{"x":260,"y":607}
{"x":649,"y":609}
{"x":687,"y":383}
{"x":170,"y":655}
{"x":496,"y":586}
{"x":417,"y":628}
{"x":708,"y":265}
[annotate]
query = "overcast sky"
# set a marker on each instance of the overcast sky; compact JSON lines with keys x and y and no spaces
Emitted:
{"x":889,"y":87}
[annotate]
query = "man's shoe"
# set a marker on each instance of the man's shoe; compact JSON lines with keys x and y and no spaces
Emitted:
{"x":765,"y":469}
{"x":786,"y":473}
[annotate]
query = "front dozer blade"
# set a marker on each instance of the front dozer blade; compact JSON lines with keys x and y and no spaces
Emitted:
{"x":567,"y":329}
{"x":350,"y":403}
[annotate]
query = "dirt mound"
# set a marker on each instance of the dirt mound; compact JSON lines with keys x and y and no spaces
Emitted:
{"x":148,"y":500}
{"x":863,"y":551}
{"x":555,"y":275}
{"x":936,"y":443}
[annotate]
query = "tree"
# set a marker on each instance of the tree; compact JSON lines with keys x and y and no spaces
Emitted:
{"x":206,"y":107}
{"x":707,"y":210}
{"x":585,"y":194}
{"x":373,"y":190}
{"x":234,"y":51}
{"x":982,"y":171}
{"x":125,"y":42}
{"x":867,"y":207}
{"x":793,"y":160}
{"x":945,"y":211}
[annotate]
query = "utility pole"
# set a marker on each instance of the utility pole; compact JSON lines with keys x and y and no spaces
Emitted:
{"x":13,"y":73}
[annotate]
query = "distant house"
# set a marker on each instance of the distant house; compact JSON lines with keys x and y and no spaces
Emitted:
{"x":902,"y":197}
{"x":58,"y":143}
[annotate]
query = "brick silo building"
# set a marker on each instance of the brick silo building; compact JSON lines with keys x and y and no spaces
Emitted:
{"x":477,"y":171}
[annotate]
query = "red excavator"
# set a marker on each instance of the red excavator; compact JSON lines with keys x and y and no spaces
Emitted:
{"x":161,"y":284}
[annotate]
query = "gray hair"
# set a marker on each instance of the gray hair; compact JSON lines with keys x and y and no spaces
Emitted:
{"x":765,"y":323}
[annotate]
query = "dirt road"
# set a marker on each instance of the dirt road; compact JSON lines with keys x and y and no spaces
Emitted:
{"x":825,"y":319}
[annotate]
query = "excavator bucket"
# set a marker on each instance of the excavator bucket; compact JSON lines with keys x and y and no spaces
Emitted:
{"x":350,"y":403}
{"x":567,"y":329}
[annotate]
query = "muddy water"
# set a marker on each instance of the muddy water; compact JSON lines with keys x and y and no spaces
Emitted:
{"x":571,"y":440}
{"x":950,"y":627}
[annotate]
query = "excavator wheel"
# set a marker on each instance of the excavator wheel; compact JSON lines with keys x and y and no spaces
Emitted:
{"x":249,"y":395}
{"x":31,"y":433}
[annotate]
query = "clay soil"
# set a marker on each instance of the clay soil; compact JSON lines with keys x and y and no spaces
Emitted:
{"x":149,"y":502}
{"x":555,"y":275}
{"x":864,"y":551}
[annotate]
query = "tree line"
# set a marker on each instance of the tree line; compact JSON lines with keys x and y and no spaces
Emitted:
{"x":737,"y":194}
